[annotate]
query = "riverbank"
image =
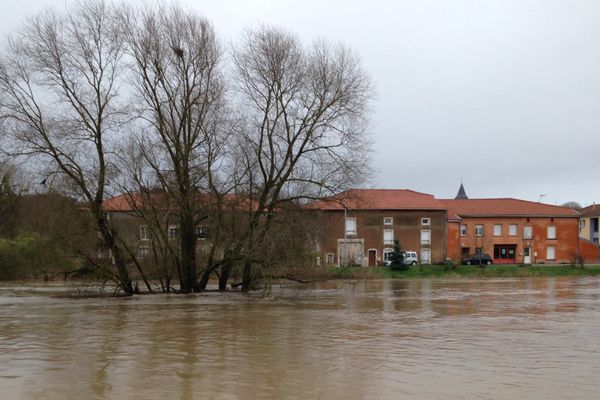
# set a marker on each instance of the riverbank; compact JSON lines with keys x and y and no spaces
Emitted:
{"x":90,"y":288}
{"x":469,"y":271}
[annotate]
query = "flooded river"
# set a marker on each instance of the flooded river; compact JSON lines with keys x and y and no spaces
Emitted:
{"x":423,"y":339}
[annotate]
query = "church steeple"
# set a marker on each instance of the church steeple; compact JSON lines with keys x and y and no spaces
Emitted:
{"x":461,"y":195}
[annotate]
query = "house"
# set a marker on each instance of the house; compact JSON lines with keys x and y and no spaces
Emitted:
{"x":361,"y":226}
{"x":588,"y":233}
{"x":588,"y":223}
{"x":511,"y":230}
{"x":146,"y":220}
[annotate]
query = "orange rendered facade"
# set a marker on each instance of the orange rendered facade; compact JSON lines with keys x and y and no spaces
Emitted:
{"x":510,"y":240}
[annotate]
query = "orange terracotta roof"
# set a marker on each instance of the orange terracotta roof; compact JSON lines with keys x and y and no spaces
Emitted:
{"x":379,"y":199}
{"x":126,"y":202}
{"x":504,"y":208}
{"x":129,"y":202}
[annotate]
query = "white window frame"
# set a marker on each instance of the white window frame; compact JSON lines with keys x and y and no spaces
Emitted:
{"x":513,"y":229}
{"x":426,"y":221}
{"x":551,"y":232}
{"x":144,"y":232}
{"x":427,"y":233}
{"x":143,"y":252}
{"x":497,"y":229}
{"x":463,"y":230}
{"x":388,"y":232}
{"x":425,"y":256}
{"x":477,"y":227}
{"x":330,"y":258}
{"x":528,"y":232}
{"x":201,"y":231}
{"x":348,"y":226}
{"x":551,"y":253}
{"x":173,"y":232}
{"x":388,"y":220}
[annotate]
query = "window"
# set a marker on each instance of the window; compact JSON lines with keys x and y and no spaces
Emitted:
{"x":386,"y":253}
{"x":550,"y":253}
{"x":479,"y":230}
{"x":512,"y":230}
{"x":527,"y":232}
{"x":551,"y":232}
{"x":497,"y":229}
{"x":463,"y":230}
{"x":478,"y":250}
{"x":388,"y":221}
{"x":426,"y":221}
{"x":202,"y":231}
{"x":143,"y":252}
{"x":350,"y":226}
{"x":388,"y":236}
{"x":144,"y":232}
{"x":425,"y":236}
{"x":173,"y":232}
{"x":330,"y":258}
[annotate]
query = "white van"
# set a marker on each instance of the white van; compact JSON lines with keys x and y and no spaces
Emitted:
{"x":410,"y":258}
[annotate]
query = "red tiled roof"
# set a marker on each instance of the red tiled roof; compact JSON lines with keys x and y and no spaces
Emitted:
{"x":129,"y":202}
{"x":379,"y":199}
{"x":504,"y":208}
{"x":126,"y":202}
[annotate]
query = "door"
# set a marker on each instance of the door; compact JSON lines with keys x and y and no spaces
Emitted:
{"x":372,"y":257}
{"x":350,"y":252}
{"x":425,"y":256}
{"x":527,"y":255}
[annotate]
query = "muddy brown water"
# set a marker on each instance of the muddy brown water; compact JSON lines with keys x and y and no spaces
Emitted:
{"x":535,"y":338}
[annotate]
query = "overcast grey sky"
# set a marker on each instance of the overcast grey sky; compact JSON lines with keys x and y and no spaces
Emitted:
{"x":505,"y":93}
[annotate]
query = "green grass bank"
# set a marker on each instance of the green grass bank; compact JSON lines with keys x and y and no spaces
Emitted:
{"x":468,"y":271}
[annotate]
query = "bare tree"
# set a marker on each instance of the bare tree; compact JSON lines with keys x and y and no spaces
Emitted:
{"x":572,"y":204}
{"x":61,"y":77}
{"x":175,"y":59}
{"x":304,"y":126}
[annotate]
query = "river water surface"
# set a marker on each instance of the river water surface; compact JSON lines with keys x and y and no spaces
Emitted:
{"x":391,"y":339}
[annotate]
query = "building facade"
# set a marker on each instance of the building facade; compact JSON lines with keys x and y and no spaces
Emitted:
{"x":588,"y":223}
{"x":361,"y":226}
{"x":512,"y":231}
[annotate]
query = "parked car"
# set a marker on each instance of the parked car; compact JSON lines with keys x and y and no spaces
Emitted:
{"x":410,"y":258}
{"x":478,"y":259}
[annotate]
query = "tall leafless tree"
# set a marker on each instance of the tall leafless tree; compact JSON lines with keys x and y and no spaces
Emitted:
{"x":61,"y":77}
{"x":304,"y":126}
{"x":176,"y":63}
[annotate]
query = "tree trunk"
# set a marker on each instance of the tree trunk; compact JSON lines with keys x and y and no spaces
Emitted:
{"x":110,"y":240}
{"x":204,"y":280}
{"x":188,"y":255}
{"x":224,"y":277}
{"x":247,"y":276}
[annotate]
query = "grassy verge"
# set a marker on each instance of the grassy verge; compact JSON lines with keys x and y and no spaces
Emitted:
{"x":440,"y":271}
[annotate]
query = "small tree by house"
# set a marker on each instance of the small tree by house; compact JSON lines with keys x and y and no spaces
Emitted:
{"x":397,"y":258}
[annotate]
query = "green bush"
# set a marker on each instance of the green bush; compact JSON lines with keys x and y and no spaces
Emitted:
{"x":30,"y":256}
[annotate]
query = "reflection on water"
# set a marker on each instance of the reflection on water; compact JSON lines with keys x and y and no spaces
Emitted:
{"x":390,"y":339}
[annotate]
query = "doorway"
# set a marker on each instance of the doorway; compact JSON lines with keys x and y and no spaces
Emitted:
{"x":527,"y":255}
{"x":372,"y":257}
{"x":505,"y":253}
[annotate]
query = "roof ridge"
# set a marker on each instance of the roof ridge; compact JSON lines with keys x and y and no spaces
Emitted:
{"x":390,"y":189}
